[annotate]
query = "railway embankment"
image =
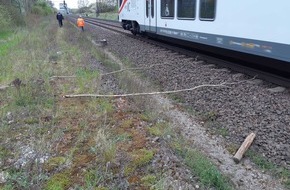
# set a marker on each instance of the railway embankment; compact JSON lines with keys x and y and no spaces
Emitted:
{"x":151,"y":141}
{"x":246,"y":105}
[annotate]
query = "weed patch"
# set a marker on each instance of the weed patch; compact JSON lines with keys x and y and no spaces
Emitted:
{"x":282,"y":173}
{"x":208,"y":173}
{"x":158,"y":129}
{"x":8,"y":42}
{"x":139,"y":158}
{"x":59,"y":181}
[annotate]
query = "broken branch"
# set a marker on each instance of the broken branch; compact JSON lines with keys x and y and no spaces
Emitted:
{"x":148,"y":93}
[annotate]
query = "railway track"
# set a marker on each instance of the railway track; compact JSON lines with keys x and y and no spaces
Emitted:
{"x":256,"y":72}
{"x":248,"y":105}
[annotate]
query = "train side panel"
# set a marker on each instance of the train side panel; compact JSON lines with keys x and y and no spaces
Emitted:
{"x":131,"y":13}
{"x":253,"y":19}
{"x":249,"y":26}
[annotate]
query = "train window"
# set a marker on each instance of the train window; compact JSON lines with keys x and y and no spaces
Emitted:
{"x":207,"y":9}
{"x":186,"y":9}
{"x":152,"y":8}
{"x":147,"y":7}
{"x":167,"y":8}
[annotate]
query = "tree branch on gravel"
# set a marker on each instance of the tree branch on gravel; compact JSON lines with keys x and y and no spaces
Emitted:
{"x":224,"y":84}
{"x":147,"y":93}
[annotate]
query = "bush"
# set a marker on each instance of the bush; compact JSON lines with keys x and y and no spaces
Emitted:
{"x":41,"y":8}
{"x":10,"y":17}
{"x":104,"y":7}
{"x":5,"y":19}
{"x":16,"y":16}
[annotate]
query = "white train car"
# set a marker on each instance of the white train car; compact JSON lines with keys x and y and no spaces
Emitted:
{"x":256,"y":28}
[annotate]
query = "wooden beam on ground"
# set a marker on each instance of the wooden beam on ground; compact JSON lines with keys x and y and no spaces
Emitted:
{"x":244,"y":147}
{"x":4,"y":87}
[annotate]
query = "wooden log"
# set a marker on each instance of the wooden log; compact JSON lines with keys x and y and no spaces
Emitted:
{"x":244,"y":147}
{"x":3,"y":87}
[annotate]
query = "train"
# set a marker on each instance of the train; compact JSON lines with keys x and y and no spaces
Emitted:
{"x":251,"y":31}
{"x":63,"y":9}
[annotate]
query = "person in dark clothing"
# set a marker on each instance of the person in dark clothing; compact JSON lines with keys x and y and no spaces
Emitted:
{"x":59,"y":17}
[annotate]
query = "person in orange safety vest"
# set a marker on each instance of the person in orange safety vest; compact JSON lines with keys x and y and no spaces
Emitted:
{"x":81,"y":22}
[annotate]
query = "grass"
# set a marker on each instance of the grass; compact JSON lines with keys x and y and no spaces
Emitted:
{"x":139,"y":158}
{"x":282,"y":173}
{"x":54,"y":163}
{"x":59,"y":181}
{"x":41,"y":122}
{"x":149,"y":180}
{"x":4,"y":35}
{"x":86,"y":79}
{"x":208,"y":173}
{"x":199,"y":164}
{"x":9,"y":42}
{"x":159,"y":129}
{"x":109,"y":16}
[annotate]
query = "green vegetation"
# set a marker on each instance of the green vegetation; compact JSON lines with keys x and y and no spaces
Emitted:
{"x":199,"y":164}
{"x":140,"y":158}
{"x":4,"y":35}
{"x":13,"y":14}
{"x":86,"y":79}
{"x":159,"y":129}
{"x":149,"y":180}
{"x":59,"y":181}
{"x":128,"y":123}
{"x":92,"y":179}
{"x":5,"y":20}
{"x":208,"y":173}
{"x":54,"y":162}
{"x":41,"y":8}
{"x":109,"y":15}
{"x":282,"y":173}
{"x":7,"y":42}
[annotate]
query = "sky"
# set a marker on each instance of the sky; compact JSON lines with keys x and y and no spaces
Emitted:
{"x":72,"y":4}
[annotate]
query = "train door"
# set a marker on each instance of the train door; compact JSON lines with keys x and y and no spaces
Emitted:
{"x":150,"y":16}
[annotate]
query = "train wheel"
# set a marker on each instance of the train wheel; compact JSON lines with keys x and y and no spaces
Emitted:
{"x":135,"y":29}
{"x":134,"y":32}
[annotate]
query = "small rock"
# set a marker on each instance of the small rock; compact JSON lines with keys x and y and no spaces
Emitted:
{"x":3,"y":177}
{"x":248,"y":167}
{"x":255,"y":81}
{"x":197,"y":186}
{"x":277,"y":89}
{"x":156,"y":139}
{"x":9,"y":116}
{"x":223,"y":70}
{"x":238,"y":75}
{"x":240,"y":182}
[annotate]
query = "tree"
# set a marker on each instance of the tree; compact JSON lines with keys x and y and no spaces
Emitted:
{"x":83,"y":3}
{"x":105,"y":6}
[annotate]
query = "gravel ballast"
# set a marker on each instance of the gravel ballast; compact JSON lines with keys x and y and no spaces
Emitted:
{"x":246,"y":105}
